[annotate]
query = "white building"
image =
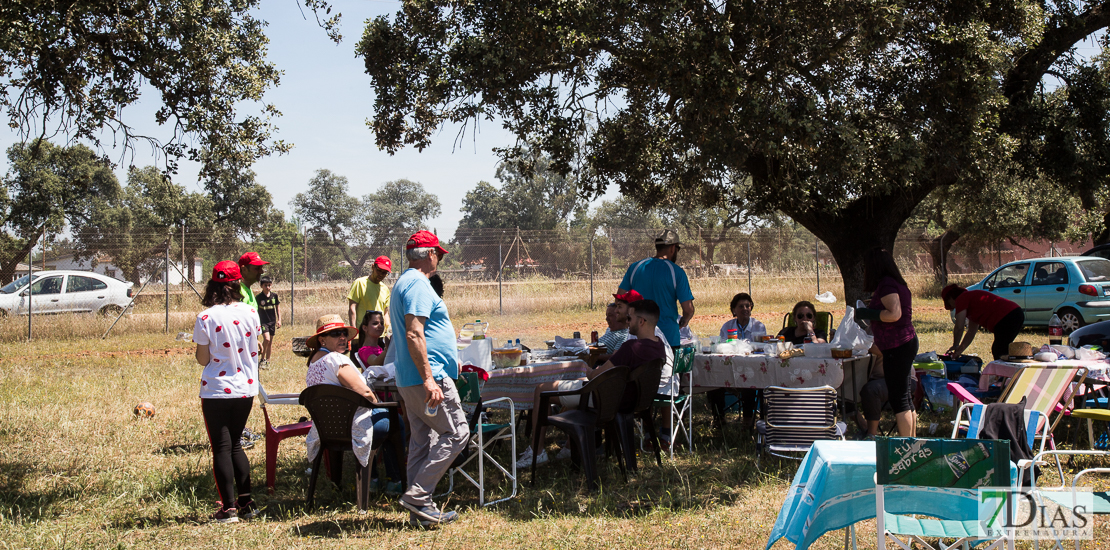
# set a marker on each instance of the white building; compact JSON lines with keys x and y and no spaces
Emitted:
{"x":104,"y":266}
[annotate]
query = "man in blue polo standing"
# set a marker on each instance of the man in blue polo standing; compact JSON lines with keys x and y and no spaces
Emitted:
{"x":659,"y":279}
{"x":427,"y":363}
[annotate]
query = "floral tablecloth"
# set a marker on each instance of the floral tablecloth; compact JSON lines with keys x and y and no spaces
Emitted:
{"x":760,"y":371}
{"x":519,"y":383}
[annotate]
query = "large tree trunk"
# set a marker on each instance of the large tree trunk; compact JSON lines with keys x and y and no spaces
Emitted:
{"x":938,"y":248}
{"x":9,"y":262}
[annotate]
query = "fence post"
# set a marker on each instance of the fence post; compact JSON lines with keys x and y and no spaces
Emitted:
{"x":30,"y":287}
{"x":292,"y":280}
{"x":749,"y":264}
{"x":817,"y":258}
{"x":591,"y":271}
{"x":167,"y":285}
{"x":500,"y":298}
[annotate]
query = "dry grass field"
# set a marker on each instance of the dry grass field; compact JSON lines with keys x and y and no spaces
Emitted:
{"x":78,"y":470}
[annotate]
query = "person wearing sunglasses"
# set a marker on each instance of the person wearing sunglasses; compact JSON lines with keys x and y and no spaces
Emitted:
{"x":328,"y":363}
{"x":805,"y":326}
{"x":370,"y":344}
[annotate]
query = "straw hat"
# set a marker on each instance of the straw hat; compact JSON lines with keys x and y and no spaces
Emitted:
{"x":328,"y":323}
{"x":1020,"y":352}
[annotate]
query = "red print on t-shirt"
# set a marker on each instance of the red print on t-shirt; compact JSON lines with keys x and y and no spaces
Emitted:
{"x":204,"y":318}
{"x":240,"y":350}
{"x":223,"y":372}
{"x":248,"y":334}
{"x":227,"y":390}
{"x":250,"y":380}
{"x":204,"y":382}
{"x":253,"y":353}
{"x":227,"y":344}
{"x":236,"y":322}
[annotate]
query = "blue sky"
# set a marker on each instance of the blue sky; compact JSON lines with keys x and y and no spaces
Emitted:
{"x":325,"y":98}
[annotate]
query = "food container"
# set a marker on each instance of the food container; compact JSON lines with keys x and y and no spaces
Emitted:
{"x":818,"y":350}
{"x":841,"y":353}
{"x":508,"y":357}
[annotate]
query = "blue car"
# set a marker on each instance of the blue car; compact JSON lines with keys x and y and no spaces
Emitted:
{"x":1076,"y":288}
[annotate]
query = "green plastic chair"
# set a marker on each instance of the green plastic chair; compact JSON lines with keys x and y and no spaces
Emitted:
{"x":679,"y":405}
{"x":955,"y":468}
{"x":482,"y":435}
{"x":823,"y":322}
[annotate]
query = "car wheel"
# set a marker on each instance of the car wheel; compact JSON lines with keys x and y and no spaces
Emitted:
{"x":112,"y":310}
{"x":1070,"y":319}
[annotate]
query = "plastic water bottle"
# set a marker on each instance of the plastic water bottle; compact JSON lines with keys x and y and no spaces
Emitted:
{"x":1055,"y":331}
{"x":479,"y":330}
{"x":518,"y":346}
{"x":431,"y":411}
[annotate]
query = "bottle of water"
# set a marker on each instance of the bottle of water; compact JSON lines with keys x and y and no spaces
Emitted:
{"x":1055,"y":330}
{"x":479,"y":329}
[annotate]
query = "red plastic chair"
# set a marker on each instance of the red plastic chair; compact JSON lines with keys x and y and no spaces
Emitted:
{"x":275,"y":434}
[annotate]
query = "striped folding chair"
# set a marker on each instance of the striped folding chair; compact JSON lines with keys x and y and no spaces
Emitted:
{"x":795,"y":418}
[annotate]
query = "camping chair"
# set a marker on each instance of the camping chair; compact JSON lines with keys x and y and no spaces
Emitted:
{"x":482,"y":436}
{"x":1067,"y":497}
{"x":946,"y":494}
{"x":1101,"y":443}
{"x":276,"y":434}
{"x":680,"y":404}
{"x":333,"y":410}
{"x":796,"y":417}
{"x":975,"y":416}
{"x":598,"y":402}
{"x":1043,"y":389}
{"x":823,"y":321}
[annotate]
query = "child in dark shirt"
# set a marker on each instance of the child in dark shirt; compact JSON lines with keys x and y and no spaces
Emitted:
{"x":269,"y":316}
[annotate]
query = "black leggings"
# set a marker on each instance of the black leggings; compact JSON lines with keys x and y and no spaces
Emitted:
{"x":897,"y":364}
{"x":1006,"y":331}
{"x":225,"y":420}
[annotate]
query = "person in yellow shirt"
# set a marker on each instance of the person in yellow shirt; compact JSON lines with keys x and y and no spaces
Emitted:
{"x":370,"y":293}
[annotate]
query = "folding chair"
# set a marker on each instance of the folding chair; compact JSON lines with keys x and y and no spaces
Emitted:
{"x":482,"y":435}
{"x":947,"y":474}
{"x":796,"y":417}
{"x":1066,"y":497}
{"x":679,"y":404}
{"x":975,"y":417}
{"x":276,"y":434}
{"x":823,"y":322}
{"x":1044,"y":388}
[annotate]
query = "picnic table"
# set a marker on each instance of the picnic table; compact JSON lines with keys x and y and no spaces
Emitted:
{"x":519,"y":383}
{"x":760,"y":371}
{"x":835,"y":488}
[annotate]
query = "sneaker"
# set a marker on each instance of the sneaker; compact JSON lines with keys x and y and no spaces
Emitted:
{"x":429,"y":513}
{"x":226,"y":515}
{"x":416,"y":521}
{"x":248,"y":510}
{"x":564,"y":453}
{"x":525,"y":458}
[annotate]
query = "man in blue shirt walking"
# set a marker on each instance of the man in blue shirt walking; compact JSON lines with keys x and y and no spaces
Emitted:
{"x":427,"y":363}
{"x":659,"y":279}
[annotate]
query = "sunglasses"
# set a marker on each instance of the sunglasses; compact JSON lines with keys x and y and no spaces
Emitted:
{"x":335,"y":334}
{"x":804,"y":316}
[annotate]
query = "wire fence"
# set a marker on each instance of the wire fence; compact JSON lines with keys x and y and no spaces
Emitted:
{"x":312,"y":267}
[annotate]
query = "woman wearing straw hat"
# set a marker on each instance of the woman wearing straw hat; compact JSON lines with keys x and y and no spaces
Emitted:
{"x":328,"y":363}
{"x":226,"y":335}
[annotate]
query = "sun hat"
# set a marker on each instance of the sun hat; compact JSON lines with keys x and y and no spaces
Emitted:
{"x":1019,"y":352}
{"x":629,"y":297}
{"x":328,"y":323}
{"x":251,"y":258}
{"x":424,"y":239}
{"x":946,"y":291}
{"x":226,"y":271}
{"x":384,"y":263}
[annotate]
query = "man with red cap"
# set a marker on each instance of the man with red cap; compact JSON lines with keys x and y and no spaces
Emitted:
{"x":251,"y":267}
{"x":369,"y":293}
{"x":979,"y":308}
{"x":426,"y":363}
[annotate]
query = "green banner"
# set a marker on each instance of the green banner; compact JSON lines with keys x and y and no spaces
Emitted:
{"x":963,"y":463}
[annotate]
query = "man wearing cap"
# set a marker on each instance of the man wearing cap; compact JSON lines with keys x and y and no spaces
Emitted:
{"x":369,"y":293}
{"x":250,"y":265}
{"x":427,"y":363}
{"x":659,"y":279}
{"x":979,"y":308}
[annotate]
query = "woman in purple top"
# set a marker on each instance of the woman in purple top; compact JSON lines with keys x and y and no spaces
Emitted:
{"x":892,"y":314}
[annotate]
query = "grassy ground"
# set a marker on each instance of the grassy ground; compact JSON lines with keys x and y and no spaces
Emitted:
{"x":78,"y":470}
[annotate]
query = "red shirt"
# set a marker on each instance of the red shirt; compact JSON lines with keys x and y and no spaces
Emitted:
{"x":984,"y":308}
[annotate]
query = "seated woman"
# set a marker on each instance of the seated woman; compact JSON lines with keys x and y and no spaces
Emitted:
{"x":328,"y":364}
{"x":745,"y":326}
{"x":368,"y":348}
{"x":805,"y":318}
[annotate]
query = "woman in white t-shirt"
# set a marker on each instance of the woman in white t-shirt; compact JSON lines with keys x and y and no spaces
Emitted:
{"x":328,"y":363}
{"x":226,"y":335}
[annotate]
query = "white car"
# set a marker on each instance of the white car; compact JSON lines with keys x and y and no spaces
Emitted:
{"x":64,"y":292}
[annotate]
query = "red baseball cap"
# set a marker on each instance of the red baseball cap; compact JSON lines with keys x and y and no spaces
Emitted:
{"x":629,"y":297}
{"x":226,"y":272}
{"x":251,"y":258}
{"x":383,"y":262}
{"x":947,"y":291}
{"x":425,"y":239}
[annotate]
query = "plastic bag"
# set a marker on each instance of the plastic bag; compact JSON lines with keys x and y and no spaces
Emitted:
{"x":479,"y":353}
{"x":849,"y":335}
{"x":937,"y":391}
{"x":826,"y":297}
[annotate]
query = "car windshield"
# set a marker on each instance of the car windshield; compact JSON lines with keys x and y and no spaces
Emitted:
{"x":15,"y":285}
{"x":1095,"y":271}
